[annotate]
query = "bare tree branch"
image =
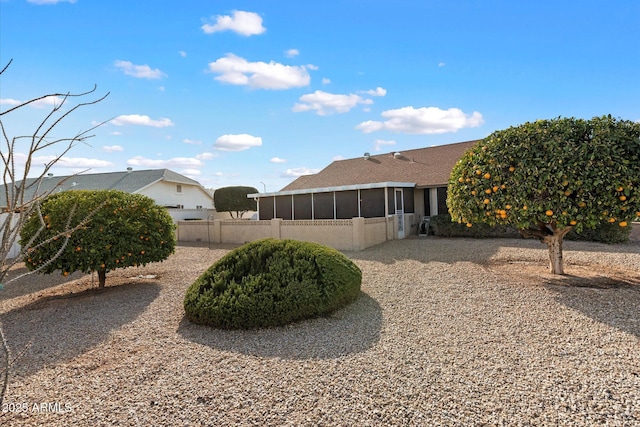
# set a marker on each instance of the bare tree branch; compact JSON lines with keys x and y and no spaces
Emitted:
{"x":23,"y":195}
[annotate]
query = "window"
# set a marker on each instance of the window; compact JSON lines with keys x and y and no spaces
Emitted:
{"x":178,"y":188}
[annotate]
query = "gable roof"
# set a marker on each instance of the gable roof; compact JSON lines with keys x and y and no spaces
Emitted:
{"x":426,"y":167}
{"x":128,"y":181}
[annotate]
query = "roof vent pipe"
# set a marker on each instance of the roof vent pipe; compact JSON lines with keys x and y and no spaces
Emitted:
{"x":129,"y":169}
{"x":367,"y":156}
{"x":397,"y":155}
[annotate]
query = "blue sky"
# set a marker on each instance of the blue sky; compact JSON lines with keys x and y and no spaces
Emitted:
{"x":258,"y":92}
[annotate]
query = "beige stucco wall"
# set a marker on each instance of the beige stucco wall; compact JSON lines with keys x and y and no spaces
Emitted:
{"x":337,"y":234}
{"x":375,"y":231}
{"x":242,"y":231}
{"x":345,"y":235}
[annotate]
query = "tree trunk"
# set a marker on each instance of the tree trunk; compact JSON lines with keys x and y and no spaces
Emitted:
{"x":102,"y":277}
{"x":554,"y":242}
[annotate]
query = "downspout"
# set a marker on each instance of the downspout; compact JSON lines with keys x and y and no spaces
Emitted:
{"x":334,"y":206}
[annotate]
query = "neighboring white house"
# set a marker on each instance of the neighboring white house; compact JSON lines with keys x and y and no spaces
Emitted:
{"x":184,"y":197}
{"x":166,"y":187}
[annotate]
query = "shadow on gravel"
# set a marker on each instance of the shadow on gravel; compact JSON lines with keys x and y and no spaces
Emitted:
{"x":353,"y":329}
{"x":32,"y":282}
{"x":71,"y":324}
{"x":609,"y":300}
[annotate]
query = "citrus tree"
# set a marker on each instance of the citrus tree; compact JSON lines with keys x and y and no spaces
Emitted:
{"x":549,"y":177}
{"x":123,"y":230}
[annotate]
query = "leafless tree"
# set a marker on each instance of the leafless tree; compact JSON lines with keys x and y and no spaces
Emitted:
{"x":23,"y":193}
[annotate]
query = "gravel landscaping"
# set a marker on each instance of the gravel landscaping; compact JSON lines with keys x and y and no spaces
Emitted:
{"x":445,"y":332}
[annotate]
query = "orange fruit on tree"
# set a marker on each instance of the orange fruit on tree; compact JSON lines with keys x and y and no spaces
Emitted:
{"x":469,"y":225}
{"x":549,"y":212}
{"x":495,"y":189}
{"x":582,"y":204}
{"x":573,"y":222}
{"x":612,"y":220}
{"x":619,"y":189}
{"x":511,"y":169}
{"x":622,"y":223}
{"x":486,"y":201}
{"x":488,"y":191}
{"x":478,"y":172}
{"x":487,"y":175}
{"x":623,"y":198}
{"x":524,"y":208}
{"x":473,"y":192}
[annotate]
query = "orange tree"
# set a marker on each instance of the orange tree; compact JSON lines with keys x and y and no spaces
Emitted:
{"x":549,"y":177}
{"x":123,"y":230}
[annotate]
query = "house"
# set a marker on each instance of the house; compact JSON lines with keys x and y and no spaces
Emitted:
{"x":411,"y":182}
{"x":166,"y":187}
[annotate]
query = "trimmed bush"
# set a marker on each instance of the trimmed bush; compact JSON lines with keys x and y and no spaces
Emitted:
{"x":444,"y":227}
{"x":272,"y":282}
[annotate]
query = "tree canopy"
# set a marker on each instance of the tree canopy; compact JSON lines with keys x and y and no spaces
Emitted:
{"x":234,"y":199}
{"x":550,"y":176}
{"x":123,"y":230}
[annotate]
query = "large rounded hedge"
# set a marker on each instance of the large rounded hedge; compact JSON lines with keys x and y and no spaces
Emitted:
{"x":272,"y":282}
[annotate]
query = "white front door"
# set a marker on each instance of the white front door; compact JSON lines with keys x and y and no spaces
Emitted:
{"x":399,"y":200}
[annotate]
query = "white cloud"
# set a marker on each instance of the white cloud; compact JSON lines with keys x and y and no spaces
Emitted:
{"x":9,"y":101}
{"x":243,"y":23}
{"x":137,"y":119}
{"x":176,"y":162}
{"x":182,"y":53}
{"x":291,"y":53}
{"x":296,"y":172}
{"x":277,"y":160}
{"x":441,"y":64}
{"x":326,"y":81}
{"x":49,"y":101}
{"x":49,"y":1}
{"x":63,"y":162}
{"x":422,"y":121}
{"x":112,"y":148}
{"x":191,"y":172}
{"x":324,"y":103}
{"x":376,"y":92}
{"x":192,"y":141}
{"x":259,"y":75}
{"x":238,"y":142}
{"x":206,"y":156}
{"x":336,"y":158}
{"x":115,"y":133}
{"x":379,"y":143}
{"x":139,"y":71}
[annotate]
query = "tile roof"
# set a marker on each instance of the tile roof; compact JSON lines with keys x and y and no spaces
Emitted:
{"x":129,"y":181}
{"x":427,"y":167}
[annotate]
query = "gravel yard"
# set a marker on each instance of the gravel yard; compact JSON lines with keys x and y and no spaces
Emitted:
{"x":446,"y":332}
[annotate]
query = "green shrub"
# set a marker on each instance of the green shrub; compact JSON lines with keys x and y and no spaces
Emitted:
{"x":604,"y":233}
{"x":272,"y":282}
{"x":444,"y":227}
